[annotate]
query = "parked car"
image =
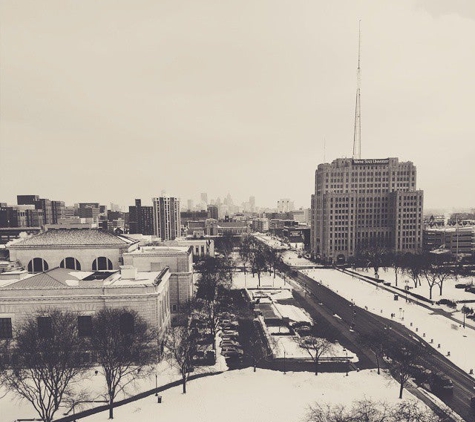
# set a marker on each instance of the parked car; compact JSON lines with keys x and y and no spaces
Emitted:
{"x":231,"y":352}
{"x":225,"y":343}
{"x":420,"y":373}
{"x":230,"y":333}
{"x":228,"y":337}
{"x":229,"y":325}
{"x":440,"y":383}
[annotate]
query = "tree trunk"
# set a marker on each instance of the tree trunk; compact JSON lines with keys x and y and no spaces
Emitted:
{"x":377,"y":363}
{"x":401,"y":387}
{"x":395,"y":272}
{"x":111,"y":409}
{"x":316,"y":366}
{"x":184,"y":384}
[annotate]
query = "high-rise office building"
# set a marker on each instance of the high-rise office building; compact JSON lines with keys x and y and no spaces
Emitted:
{"x":141,"y":219}
{"x":89,"y":210}
{"x":204,"y":198}
{"x":27,"y":199}
{"x":166,"y":217}
{"x":361,"y":204}
{"x":252,"y":203}
{"x":213,"y":212}
{"x":58,"y":208}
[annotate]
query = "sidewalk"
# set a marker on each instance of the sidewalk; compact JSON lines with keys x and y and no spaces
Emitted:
{"x":436,"y":309}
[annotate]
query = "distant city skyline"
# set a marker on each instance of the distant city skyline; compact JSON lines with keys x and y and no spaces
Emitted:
{"x":106,"y":102}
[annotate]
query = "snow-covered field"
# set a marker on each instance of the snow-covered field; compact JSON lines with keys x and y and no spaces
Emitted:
{"x":426,"y":323}
{"x":245,"y":280}
{"x":265,"y":395}
{"x":449,"y":290}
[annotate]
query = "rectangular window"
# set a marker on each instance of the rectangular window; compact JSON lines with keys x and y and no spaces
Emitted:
{"x":6,"y":328}
{"x":85,"y":326}
{"x":45,"y":327}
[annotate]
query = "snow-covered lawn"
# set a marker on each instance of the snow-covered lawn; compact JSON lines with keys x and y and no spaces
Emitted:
{"x":265,"y":395}
{"x":245,"y":280}
{"x":286,"y":346}
{"x":94,"y":387}
{"x":449,"y":290}
{"x":426,"y":323}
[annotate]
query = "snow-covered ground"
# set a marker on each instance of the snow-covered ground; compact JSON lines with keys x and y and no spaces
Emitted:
{"x":94,"y":387}
{"x":265,"y":395}
{"x":245,"y":280}
{"x":426,"y":323}
{"x":292,"y":258}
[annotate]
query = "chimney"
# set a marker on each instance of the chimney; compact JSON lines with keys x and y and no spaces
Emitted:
{"x":128,"y":272}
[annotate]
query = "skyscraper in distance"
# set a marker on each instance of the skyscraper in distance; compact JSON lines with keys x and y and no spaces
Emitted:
{"x":166,"y":217}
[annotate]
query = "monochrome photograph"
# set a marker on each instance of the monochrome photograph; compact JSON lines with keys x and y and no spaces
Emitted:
{"x":240,"y":211}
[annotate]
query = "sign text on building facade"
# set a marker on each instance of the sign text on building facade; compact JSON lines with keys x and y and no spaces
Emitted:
{"x":371,"y":161}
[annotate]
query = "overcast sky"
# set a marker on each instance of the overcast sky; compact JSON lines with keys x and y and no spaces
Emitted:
{"x":113,"y":100}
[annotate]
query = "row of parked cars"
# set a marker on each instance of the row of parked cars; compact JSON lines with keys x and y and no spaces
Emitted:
{"x":435,"y":382}
{"x":229,"y":336}
{"x":204,"y":353}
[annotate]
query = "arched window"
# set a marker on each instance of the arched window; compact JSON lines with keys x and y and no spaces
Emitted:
{"x":37,"y":265}
{"x":126,"y":324}
{"x":101,"y":263}
{"x":71,"y":263}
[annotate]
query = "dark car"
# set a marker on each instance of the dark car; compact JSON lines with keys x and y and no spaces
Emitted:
{"x":440,"y":383}
{"x":232,"y":343}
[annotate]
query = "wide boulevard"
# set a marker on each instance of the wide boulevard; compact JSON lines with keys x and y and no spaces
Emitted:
{"x":351,"y":321}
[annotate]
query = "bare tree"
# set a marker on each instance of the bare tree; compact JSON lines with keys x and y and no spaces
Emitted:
{"x":215,"y":279}
{"x":45,"y":361}
{"x":402,"y":359}
{"x":125,"y":346}
{"x":254,"y":252}
{"x":435,"y":272}
{"x":180,"y":344}
{"x":372,"y":411}
{"x":225,"y":243}
{"x":376,"y":341}
{"x":413,"y":265}
{"x":273,"y":258}
{"x":396,"y":259}
{"x":258,"y":349}
{"x":316,"y":348}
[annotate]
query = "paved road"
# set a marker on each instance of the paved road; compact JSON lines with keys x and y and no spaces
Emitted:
{"x":341,"y":314}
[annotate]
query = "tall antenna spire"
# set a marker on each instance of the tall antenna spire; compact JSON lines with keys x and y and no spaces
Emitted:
{"x":357,"y":133}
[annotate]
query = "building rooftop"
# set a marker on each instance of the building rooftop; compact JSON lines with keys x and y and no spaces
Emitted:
{"x":160,"y":249}
{"x":79,"y":237}
{"x":60,"y":278}
{"x":55,"y":278}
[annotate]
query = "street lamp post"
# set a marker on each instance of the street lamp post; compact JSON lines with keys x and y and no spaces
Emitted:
{"x":283,"y":348}
{"x":347,"y":361}
{"x":284,"y":362}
